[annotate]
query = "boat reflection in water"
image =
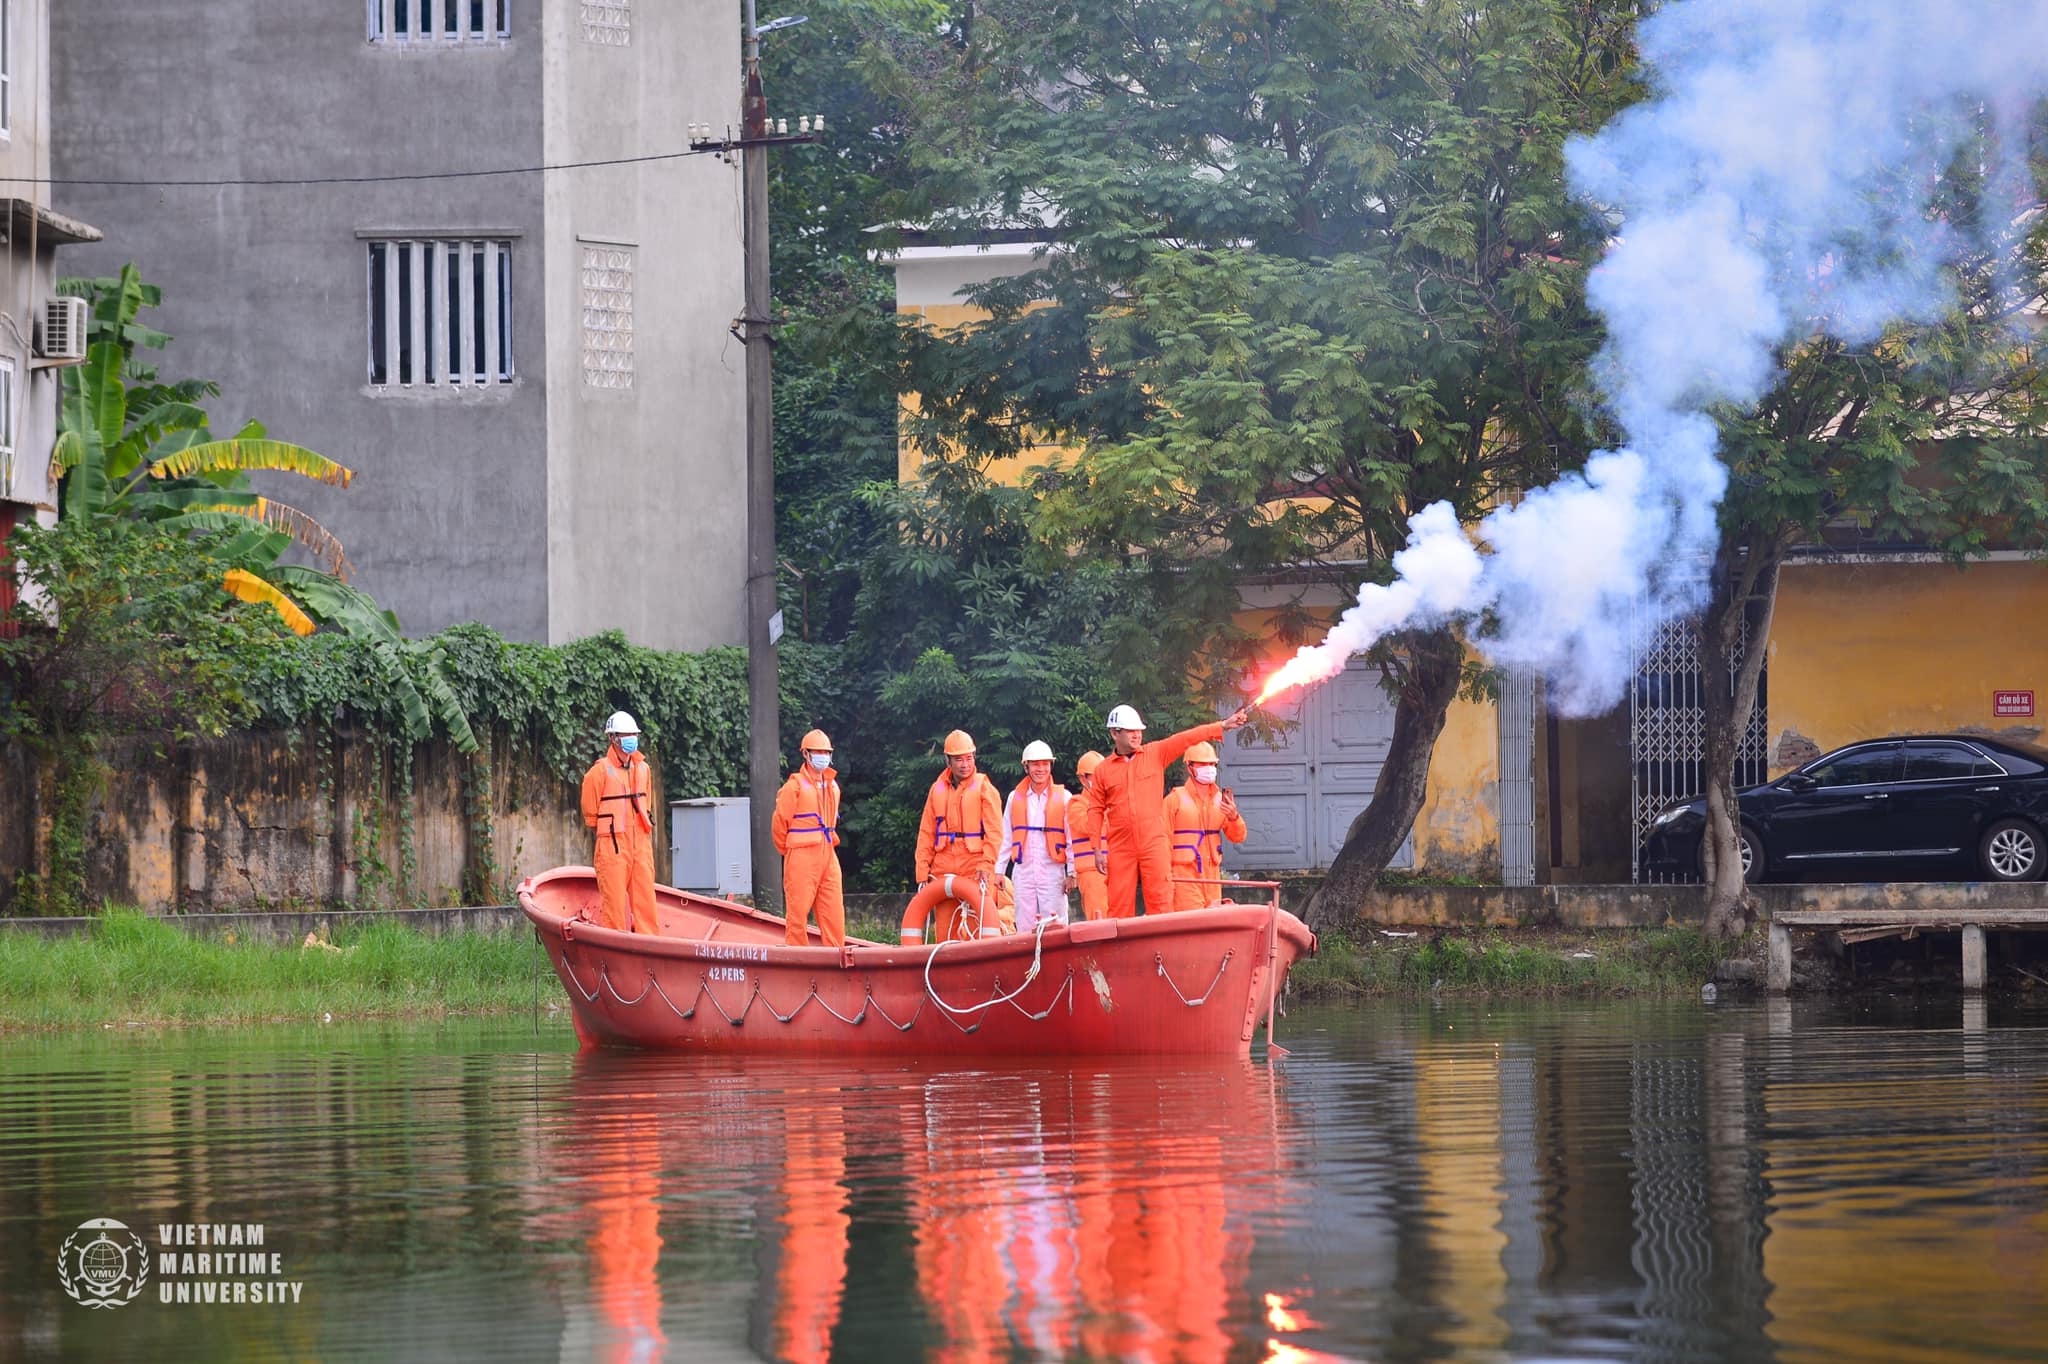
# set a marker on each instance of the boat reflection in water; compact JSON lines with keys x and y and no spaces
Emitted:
{"x":1101,"y":1210}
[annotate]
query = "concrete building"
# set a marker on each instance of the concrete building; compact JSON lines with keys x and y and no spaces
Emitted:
{"x":531,"y":374}
{"x":30,"y":349}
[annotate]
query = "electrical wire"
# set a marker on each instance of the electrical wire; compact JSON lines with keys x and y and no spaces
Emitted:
{"x":287,"y":180}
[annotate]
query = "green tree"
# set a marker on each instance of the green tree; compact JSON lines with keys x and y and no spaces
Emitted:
{"x":834,"y":396}
{"x":1317,"y":269}
{"x":1931,"y":439}
{"x":123,"y":625}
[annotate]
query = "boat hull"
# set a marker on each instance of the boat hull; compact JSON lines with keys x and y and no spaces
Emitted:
{"x":720,"y":977}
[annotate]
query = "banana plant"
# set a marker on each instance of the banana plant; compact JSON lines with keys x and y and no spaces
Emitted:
{"x":148,"y":453}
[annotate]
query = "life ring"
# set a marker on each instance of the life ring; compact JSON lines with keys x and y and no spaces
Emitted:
{"x":935,"y":893}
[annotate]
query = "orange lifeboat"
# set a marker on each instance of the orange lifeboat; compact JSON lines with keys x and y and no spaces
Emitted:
{"x":720,"y":976}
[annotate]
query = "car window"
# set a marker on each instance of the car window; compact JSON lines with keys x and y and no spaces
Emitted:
{"x":1858,"y":767}
{"x":1942,"y":762}
{"x":2015,"y":764}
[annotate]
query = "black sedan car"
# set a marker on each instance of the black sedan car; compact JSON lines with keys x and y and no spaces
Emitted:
{"x":1886,"y":809}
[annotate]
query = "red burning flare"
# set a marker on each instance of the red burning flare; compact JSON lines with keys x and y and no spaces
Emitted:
{"x":1306,"y":668}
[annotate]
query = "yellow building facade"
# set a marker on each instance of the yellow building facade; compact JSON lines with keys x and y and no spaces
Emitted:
{"x":1866,"y":648}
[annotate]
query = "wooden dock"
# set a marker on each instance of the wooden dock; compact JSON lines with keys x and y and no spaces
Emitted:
{"x":1883,"y":921}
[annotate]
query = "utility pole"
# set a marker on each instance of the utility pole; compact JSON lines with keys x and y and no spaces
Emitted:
{"x":764,"y":676}
{"x":764,"y":623}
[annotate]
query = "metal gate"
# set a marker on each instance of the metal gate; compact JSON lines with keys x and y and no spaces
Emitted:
{"x":1299,"y":798}
{"x":1517,"y":783}
{"x":1668,"y":729}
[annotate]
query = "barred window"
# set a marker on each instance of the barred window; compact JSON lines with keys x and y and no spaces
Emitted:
{"x":608,"y":23}
{"x":423,"y":21}
{"x":6,"y":425}
{"x":440,"y":312}
{"x":607,"y":315}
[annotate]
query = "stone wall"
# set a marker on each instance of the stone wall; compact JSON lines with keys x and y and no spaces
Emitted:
{"x":256,"y":821}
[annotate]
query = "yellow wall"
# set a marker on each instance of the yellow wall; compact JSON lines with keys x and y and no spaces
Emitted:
{"x":1458,"y":830}
{"x":909,"y":459}
{"x":1859,"y":651}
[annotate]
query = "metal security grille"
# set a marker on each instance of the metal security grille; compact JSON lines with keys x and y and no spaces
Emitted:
{"x":608,"y":23}
{"x":1517,"y":779}
{"x":1668,"y":728}
{"x":421,"y":21}
{"x":440,"y":312}
{"x":607,"y":287}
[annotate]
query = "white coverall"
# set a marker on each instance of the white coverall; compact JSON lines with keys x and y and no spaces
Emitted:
{"x":1040,"y":882}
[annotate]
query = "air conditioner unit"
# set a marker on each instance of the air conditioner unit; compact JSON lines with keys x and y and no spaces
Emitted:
{"x":61,"y":335}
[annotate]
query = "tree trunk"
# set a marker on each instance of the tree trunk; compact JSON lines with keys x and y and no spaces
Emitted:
{"x":1744,"y":592}
{"x":1435,"y":663}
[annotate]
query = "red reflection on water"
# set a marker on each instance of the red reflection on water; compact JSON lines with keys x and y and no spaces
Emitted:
{"x":810,"y":1275}
{"x":1058,"y":1210}
{"x":1086,"y":1212}
{"x":617,"y":1163}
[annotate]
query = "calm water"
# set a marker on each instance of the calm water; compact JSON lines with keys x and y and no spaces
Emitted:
{"x":1415,"y":1182}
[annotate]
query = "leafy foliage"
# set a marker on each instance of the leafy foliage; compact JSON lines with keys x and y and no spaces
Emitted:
{"x":132,"y":447}
{"x":139,"y":633}
{"x":1316,"y":269}
{"x":1931,"y":438}
{"x":550,"y":701}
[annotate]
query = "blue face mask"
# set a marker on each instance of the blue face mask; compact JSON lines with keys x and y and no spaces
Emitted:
{"x":629,"y":743}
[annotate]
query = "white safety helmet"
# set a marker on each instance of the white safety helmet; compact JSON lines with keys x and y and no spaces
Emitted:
{"x":1125,"y":717}
{"x":621,"y":723}
{"x":1038,"y":751}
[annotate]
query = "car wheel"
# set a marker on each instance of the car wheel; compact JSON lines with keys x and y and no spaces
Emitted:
{"x":1754,"y":863}
{"x":2012,"y":851}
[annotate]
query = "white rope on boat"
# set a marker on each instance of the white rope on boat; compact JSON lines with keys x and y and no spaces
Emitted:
{"x":1037,"y":952}
{"x":1159,"y":960}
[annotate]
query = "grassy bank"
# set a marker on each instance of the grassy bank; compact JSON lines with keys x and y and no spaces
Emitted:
{"x":138,"y":970}
{"x":1508,"y":962}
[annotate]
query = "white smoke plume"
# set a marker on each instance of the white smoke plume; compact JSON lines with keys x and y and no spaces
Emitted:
{"x":1743,"y":197}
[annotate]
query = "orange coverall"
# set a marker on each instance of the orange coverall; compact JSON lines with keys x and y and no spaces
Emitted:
{"x":1082,"y":820}
{"x":1198,"y":822}
{"x":806,"y":832}
{"x":617,"y":811}
{"x":1132,"y":797}
{"x":959,"y":835}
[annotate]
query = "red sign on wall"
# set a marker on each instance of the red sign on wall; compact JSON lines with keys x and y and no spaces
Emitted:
{"x":2012,"y":703}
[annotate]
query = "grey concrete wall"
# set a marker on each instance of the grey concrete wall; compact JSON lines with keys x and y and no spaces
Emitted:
{"x":648,"y":484}
{"x":291,"y":927}
{"x":266,"y":287}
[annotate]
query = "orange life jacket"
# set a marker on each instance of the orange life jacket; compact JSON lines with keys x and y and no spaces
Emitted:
{"x":808,"y":810}
{"x":1198,"y":824}
{"x":622,"y":809}
{"x":959,"y":822}
{"x":1054,"y":828}
{"x":1081,"y":818}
